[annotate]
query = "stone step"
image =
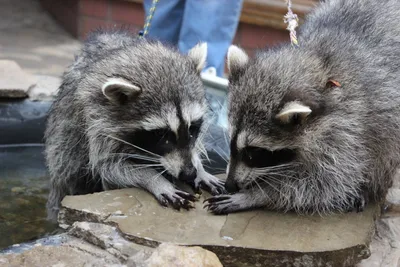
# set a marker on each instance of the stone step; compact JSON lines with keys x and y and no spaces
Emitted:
{"x":253,"y":238}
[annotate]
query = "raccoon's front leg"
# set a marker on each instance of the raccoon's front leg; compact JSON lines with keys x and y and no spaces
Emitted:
{"x":150,"y":180}
{"x":207,"y":181}
{"x":243,"y":200}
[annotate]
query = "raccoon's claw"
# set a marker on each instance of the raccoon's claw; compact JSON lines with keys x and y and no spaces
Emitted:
{"x":210,"y":183}
{"x":222,"y":204}
{"x":163,"y":201}
{"x":177,"y":200}
{"x":217,"y":199}
{"x":186,"y":196}
{"x":359,"y":203}
{"x":215,"y":188}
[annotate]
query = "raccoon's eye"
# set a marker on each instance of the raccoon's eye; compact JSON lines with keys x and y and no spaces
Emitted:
{"x":250,"y":153}
{"x":168,"y":137}
{"x":194,"y":128}
{"x":256,"y":157}
{"x":161,"y":136}
{"x":193,"y":132}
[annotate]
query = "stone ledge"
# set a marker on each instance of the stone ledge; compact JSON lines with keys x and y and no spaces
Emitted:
{"x":45,"y":89}
{"x":17,"y":83}
{"x":241,"y":239}
{"x":14,"y":82}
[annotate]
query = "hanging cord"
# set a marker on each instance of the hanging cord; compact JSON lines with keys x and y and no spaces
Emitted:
{"x":147,"y":24}
{"x":293,"y":21}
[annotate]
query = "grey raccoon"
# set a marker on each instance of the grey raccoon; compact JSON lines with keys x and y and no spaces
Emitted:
{"x":129,"y":113}
{"x":316,"y":129}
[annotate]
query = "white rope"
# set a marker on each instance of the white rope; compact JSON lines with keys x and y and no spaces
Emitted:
{"x":293,"y":21}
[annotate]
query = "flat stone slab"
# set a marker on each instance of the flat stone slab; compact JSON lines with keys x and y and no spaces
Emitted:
{"x":253,"y":238}
{"x":45,"y":89}
{"x":14,"y":82}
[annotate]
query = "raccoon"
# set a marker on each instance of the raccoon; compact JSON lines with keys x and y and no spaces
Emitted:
{"x":316,"y":128}
{"x":130,"y":112}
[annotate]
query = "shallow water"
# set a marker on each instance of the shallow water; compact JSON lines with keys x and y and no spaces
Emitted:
{"x":23,"y":193}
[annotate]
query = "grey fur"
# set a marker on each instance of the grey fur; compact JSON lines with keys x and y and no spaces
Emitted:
{"x":85,"y":146}
{"x":348,"y":148}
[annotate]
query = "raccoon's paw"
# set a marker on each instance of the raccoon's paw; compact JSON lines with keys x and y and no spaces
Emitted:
{"x":224,"y":204}
{"x":209,"y":183}
{"x":177,"y":199}
{"x":358,"y":203}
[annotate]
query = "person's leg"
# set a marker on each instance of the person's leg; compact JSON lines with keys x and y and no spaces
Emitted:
{"x":211,"y":21}
{"x":167,"y":20}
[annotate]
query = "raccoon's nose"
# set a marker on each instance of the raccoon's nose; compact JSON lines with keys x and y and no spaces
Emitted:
{"x":188,"y":174}
{"x":231,"y":186}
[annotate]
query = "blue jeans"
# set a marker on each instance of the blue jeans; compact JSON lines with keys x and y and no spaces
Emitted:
{"x":187,"y":22}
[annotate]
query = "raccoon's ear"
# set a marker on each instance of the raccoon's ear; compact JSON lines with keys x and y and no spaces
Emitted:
{"x":293,"y":112}
{"x":237,"y":59}
{"x":119,"y":90}
{"x":199,"y":55}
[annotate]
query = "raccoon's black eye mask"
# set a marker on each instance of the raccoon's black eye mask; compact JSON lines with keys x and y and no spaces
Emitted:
{"x":162,"y":141}
{"x":158,"y":141}
{"x":256,"y":157}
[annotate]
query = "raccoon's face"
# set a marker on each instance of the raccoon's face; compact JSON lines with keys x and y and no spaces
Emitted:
{"x":276,"y":106}
{"x":171,"y":140}
{"x":160,"y":105}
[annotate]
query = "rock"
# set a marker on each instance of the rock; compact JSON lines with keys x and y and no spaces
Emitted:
{"x":53,"y":240}
{"x":18,"y":190}
{"x":45,"y":89}
{"x":95,"y":244}
{"x":73,"y":254}
{"x":106,"y":237}
{"x":86,"y":244}
{"x":14,"y":82}
{"x":253,"y":238}
{"x":393,"y":201}
{"x":22,"y":201}
{"x":385,"y":246}
{"x":169,"y":255}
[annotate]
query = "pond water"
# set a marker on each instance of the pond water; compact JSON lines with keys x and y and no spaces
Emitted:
{"x":23,"y":193}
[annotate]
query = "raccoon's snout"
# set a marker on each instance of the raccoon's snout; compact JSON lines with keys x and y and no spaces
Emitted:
{"x":188,"y":173}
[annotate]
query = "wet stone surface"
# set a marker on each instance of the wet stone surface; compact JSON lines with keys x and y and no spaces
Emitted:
{"x":254,"y":238}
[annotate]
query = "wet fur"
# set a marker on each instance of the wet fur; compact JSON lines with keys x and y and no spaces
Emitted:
{"x":348,"y":148}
